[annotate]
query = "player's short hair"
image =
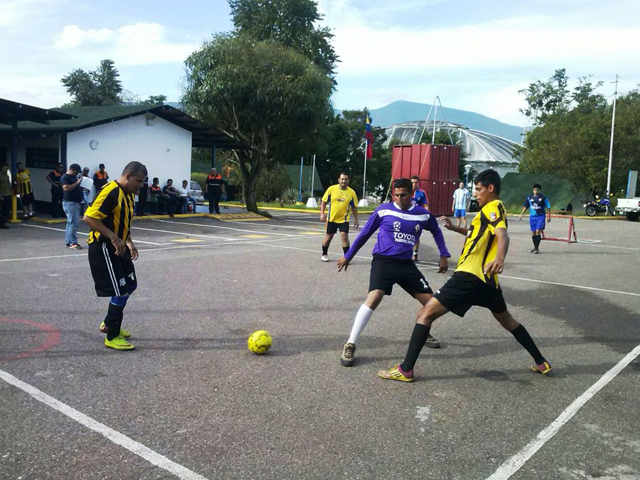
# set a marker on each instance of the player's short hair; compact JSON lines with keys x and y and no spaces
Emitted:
{"x":537,"y":185}
{"x":155,"y":179}
{"x":489,"y":177}
{"x":101,"y":165}
{"x":402,"y":183}
{"x":135,"y":168}
{"x":345,"y":174}
{"x":415,"y":177}
{"x":75,"y":166}
{"x":170,"y":180}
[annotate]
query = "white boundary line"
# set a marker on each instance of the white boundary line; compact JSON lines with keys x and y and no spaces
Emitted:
{"x":570,"y":285}
{"x":228,"y":239}
{"x":86,"y":234}
{"x":225,"y":228}
{"x":108,"y":432}
{"x":511,"y":466}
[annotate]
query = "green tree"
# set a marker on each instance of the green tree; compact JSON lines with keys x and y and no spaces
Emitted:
{"x":547,"y":98}
{"x":288,"y":22}
{"x":94,"y":88}
{"x":270,"y":98}
{"x":153,"y":100}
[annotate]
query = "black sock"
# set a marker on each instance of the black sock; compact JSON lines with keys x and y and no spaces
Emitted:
{"x":325,"y":250}
{"x":345,"y":250}
{"x":418,"y":339}
{"x":113,"y":320}
{"x":523,"y":337}
{"x":536,"y":241}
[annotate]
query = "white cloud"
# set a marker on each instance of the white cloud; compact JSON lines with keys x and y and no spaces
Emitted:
{"x":73,"y":36}
{"x":137,"y":44}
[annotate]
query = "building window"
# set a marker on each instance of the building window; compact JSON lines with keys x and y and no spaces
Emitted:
{"x":45,"y":158}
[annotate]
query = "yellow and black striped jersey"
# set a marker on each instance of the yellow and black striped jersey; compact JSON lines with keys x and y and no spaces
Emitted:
{"x":481,"y":245}
{"x":115,"y":208}
{"x":24,"y":180}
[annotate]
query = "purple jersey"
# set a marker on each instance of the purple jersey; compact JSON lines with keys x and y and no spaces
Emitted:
{"x":399,"y":231}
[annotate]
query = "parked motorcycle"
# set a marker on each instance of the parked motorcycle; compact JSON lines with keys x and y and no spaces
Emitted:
{"x":599,"y":205}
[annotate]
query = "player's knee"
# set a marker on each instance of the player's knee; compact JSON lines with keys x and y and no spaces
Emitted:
{"x":120,"y":301}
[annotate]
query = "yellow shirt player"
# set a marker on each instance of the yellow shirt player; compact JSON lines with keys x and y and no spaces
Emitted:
{"x":26,"y":190}
{"x":341,"y":200}
{"x":112,"y":251}
{"x":475,"y":281}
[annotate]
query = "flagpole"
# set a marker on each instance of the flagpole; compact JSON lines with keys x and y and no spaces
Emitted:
{"x":300,"y":191}
{"x":364,"y":179}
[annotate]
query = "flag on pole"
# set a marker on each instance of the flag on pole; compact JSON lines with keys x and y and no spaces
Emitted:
{"x":368,"y":135}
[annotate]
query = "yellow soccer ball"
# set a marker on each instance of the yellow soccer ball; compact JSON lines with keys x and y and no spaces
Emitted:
{"x":259,"y":342}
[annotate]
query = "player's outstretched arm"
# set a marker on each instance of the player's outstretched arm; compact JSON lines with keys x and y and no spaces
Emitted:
{"x":446,"y":223}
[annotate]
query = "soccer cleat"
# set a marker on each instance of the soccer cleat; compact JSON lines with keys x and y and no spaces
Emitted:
{"x":432,"y":342}
{"x":324,"y":258}
{"x":75,"y":246}
{"x":123,"y":333}
{"x":395,"y":373}
{"x":348,"y":354}
{"x":543,"y":368}
{"x":118,"y":343}
{"x":536,"y":251}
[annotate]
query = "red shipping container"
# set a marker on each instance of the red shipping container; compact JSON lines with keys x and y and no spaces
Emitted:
{"x":435,"y":165}
{"x":429,"y":162}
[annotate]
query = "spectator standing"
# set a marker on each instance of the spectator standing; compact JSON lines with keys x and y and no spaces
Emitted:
{"x":461,"y":205}
{"x":162,"y":198}
{"x":72,"y":204}
{"x":26,"y":190}
{"x":86,"y":193}
{"x":56,"y":191}
{"x":174,"y":195}
{"x":100,"y":178}
{"x":142,"y":197}
{"x":215,"y":189}
{"x":184,"y":193}
{"x":5,"y":195}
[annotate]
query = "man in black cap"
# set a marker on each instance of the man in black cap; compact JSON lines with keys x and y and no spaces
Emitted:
{"x":72,"y":204}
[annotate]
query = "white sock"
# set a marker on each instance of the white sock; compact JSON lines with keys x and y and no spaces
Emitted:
{"x":361,"y":320}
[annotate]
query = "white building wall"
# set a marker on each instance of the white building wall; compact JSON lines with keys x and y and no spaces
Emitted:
{"x":163,"y":147}
{"x":41,"y":188}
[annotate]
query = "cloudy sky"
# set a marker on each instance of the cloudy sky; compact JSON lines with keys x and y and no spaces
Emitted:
{"x":475,"y":55}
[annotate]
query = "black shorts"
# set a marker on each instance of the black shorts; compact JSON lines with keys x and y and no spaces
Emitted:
{"x":333,"y":227}
{"x":27,"y":198}
{"x":464,"y":290}
{"x":113,"y":276}
{"x":386,"y":272}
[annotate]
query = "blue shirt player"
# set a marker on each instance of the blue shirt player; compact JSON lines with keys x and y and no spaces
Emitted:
{"x":399,"y":225}
{"x":539,"y":208}
{"x":418,"y":197}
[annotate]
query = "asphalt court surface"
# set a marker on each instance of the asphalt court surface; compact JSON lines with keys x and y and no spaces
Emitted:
{"x":193,"y":402}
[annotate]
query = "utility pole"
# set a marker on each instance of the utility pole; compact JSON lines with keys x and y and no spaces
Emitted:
{"x":613,"y":123}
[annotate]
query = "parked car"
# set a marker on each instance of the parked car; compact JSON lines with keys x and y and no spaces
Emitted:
{"x":629,"y":207}
{"x":196,"y":192}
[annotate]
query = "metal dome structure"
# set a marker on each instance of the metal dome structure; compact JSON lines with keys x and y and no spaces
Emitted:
{"x":483,"y":150}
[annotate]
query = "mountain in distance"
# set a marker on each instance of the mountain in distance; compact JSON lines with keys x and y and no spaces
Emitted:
{"x":403,"y":111}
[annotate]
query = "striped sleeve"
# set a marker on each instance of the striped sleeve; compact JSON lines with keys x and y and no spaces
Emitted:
{"x":104,"y":204}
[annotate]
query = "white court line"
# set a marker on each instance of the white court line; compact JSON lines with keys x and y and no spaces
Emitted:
{"x":570,"y":285}
{"x":108,"y":432}
{"x":228,"y":239}
{"x":86,"y":234}
{"x":512,"y":465}
{"x":79,"y":255}
{"x":225,"y":228}
{"x":281,"y":226}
